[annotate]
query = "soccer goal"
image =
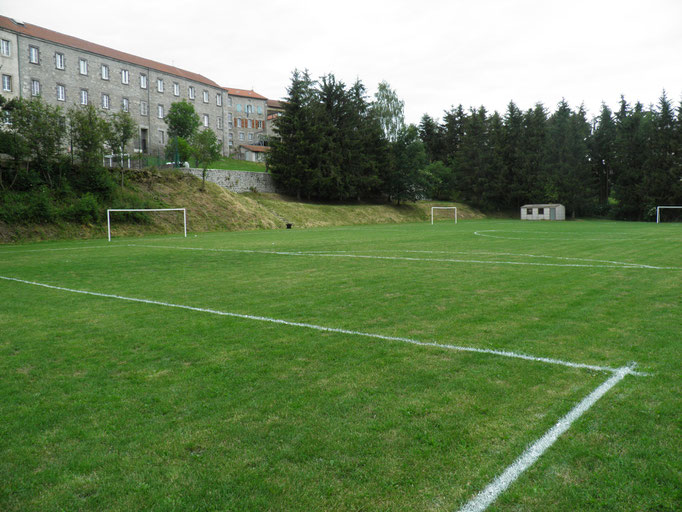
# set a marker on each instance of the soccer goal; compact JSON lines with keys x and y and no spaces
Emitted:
{"x":659,"y":208}
{"x":443,"y":208}
{"x":183,"y":210}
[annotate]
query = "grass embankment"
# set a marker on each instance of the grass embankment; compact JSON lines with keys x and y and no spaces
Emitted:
{"x":232,"y":164}
{"x":218,"y":209}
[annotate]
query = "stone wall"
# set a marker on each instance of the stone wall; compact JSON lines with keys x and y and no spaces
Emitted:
{"x":238,"y":181}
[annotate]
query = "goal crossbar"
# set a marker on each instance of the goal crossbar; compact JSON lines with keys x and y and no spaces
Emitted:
{"x":183,"y":210}
{"x":658,"y":211}
{"x":443,"y":208}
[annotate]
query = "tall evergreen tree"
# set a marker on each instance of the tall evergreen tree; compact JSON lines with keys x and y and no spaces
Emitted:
{"x":603,"y":153}
{"x":632,"y":148}
{"x":295,"y":154}
{"x":431,"y":134}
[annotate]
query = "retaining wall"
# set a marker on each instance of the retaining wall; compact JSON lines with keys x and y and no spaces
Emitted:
{"x":238,"y":181}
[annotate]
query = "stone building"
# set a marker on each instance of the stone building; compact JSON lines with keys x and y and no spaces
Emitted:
{"x":67,"y":71}
{"x":275,"y":109}
{"x":246,"y":119}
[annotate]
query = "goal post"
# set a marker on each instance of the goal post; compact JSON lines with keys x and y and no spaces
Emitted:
{"x":109,"y":211}
{"x":659,"y":208}
{"x":443,"y":208}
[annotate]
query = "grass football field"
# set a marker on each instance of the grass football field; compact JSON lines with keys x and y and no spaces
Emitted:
{"x":499,"y":365}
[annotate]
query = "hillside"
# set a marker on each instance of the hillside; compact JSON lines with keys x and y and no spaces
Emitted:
{"x":217,"y":209}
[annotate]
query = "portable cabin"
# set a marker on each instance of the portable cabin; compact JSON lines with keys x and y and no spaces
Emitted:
{"x":543,"y":212}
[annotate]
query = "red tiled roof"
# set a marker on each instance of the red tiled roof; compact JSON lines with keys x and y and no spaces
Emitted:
{"x":275,"y":104}
{"x":244,"y":93}
{"x":80,"y":44}
{"x":256,"y":149}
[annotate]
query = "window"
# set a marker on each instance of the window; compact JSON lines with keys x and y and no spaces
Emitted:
{"x":541,"y":211}
{"x":219,"y":99}
{"x":248,"y":109}
{"x":206,"y":120}
{"x":125,"y":76}
{"x":159,"y":84}
{"x":33,"y":55}
{"x":162,"y":137}
{"x":176,"y":89}
{"x":144,"y":108}
{"x":205,"y":96}
{"x":220,"y":123}
{"x":59,"y":61}
{"x":191,"y":92}
{"x":260,"y":109}
{"x":35,"y":88}
{"x":6,"y":83}
{"x":105,"y":72}
{"x":230,"y":138}
{"x":125,"y":106}
{"x":229,"y":101}
{"x":250,"y":137}
{"x":239,"y":107}
{"x":241,"y":135}
{"x":143,"y":81}
{"x":529,"y":211}
{"x":239,"y":122}
{"x":6,"y":48}
{"x":83,"y":66}
{"x":160,"y":112}
{"x":84,"y":97}
{"x":249,"y":123}
{"x":61,"y":93}
{"x":105,"y":101}
{"x":229,"y":118}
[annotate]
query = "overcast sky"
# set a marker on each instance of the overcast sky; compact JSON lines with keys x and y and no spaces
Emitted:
{"x":434,"y":53}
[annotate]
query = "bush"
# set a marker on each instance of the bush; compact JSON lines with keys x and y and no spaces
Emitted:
{"x":85,"y":210}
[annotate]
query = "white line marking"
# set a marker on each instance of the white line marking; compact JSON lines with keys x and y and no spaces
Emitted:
{"x":567,"y":258}
{"x":488,"y":495}
{"x":407,"y":258}
{"x":604,"y":237}
{"x":503,"y":353}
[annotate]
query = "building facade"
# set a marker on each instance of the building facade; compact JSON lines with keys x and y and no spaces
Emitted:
{"x":246,"y":119}
{"x":67,"y":71}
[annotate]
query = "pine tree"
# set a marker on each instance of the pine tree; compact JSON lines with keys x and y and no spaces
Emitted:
{"x":603,"y":153}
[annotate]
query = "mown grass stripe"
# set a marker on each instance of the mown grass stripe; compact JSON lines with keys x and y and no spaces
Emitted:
{"x":458,"y":348}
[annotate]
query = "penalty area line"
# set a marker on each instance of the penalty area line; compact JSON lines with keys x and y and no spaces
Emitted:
{"x":458,"y":348}
{"x":533,"y":452}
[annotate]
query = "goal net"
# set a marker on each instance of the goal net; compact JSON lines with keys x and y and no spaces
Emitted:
{"x":443,"y":211}
{"x":670,"y":213}
{"x":110,"y":211}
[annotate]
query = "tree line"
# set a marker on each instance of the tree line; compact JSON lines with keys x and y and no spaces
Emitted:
{"x":620,"y":164}
{"x":334,"y":143}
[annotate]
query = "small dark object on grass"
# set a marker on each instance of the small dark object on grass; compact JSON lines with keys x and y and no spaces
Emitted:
{"x":289,"y":224}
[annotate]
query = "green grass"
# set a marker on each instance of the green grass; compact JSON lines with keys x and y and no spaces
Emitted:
{"x":109,"y":404}
{"x":233,"y":164}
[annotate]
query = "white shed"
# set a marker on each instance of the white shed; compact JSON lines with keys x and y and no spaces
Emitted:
{"x":543,"y":212}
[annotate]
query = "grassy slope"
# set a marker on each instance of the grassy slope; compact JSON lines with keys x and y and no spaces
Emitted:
{"x":218,"y":209}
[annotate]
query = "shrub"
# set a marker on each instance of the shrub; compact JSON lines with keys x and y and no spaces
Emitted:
{"x":85,"y":210}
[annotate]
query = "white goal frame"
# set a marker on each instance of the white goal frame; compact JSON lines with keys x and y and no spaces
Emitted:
{"x":658,"y":211}
{"x":183,"y":210}
{"x":443,"y":208}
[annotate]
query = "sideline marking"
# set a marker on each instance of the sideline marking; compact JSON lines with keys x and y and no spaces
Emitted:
{"x":568,"y":258}
{"x":407,"y":258}
{"x":484,"y":232}
{"x":533,"y":452}
{"x":503,"y":353}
